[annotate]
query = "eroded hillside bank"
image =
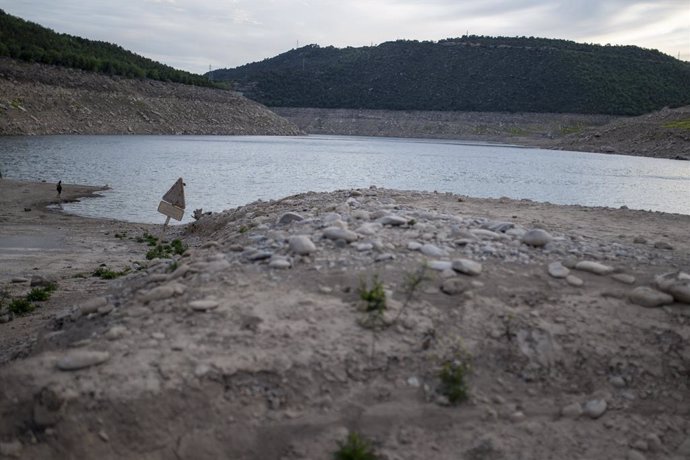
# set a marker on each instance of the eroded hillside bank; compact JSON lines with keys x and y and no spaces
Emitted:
{"x":40,"y":99}
{"x":662,"y":134}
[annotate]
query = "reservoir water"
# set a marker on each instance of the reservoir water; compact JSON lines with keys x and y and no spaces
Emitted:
{"x":223,"y":172}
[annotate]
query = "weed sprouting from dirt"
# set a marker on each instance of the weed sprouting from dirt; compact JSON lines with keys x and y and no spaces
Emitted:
{"x":679,"y":124}
{"x":355,"y":447}
{"x":453,"y":375}
{"x":38,"y":295}
{"x":21,"y":306}
{"x":375,"y":297}
{"x":164,"y":251}
{"x":105,"y":273}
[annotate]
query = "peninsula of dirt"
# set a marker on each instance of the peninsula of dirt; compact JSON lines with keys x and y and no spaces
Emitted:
{"x":662,"y":134}
{"x":42,"y":99}
{"x":429,"y":325}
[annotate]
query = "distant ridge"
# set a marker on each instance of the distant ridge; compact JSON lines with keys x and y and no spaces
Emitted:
{"x":470,"y":73}
{"x":30,"y":42}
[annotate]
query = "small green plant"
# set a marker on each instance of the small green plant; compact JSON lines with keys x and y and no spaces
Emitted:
{"x":20,"y":306}
{"x":162,"y":251}
{"x":244,"y":229}
{"x":355,"y":447}
{"x":38,"y":295}
{"x":148,"y":239}
{"x":121,"y":236}
{"x":375,"y":297}
{"x":172,"y":267}
{"x":453,"y":377}
{"x":105,"y":273}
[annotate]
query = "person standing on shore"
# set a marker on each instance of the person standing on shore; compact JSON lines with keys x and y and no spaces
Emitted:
{"x":59,"y":188}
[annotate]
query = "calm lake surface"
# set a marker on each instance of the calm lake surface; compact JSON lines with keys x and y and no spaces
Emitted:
{"x":223,"y":172}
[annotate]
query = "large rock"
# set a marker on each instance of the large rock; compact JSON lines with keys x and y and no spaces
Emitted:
{"x":676,"y":284}
{"x":536,"y":237}
{"x":431,"y":250}
{"x":467,"y":267}
{"x":337,"y":233}
{"x":650,"y":298}
{"x":301,"y":245}
{"x":557,"y":270}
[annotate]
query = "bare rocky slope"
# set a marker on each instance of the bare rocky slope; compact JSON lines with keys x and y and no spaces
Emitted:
{"x":558,"y":321}
{"x":41,"y":99}
{"x":646,"y":135}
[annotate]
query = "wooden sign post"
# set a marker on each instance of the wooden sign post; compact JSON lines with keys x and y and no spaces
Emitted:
{"x":172,"y":205}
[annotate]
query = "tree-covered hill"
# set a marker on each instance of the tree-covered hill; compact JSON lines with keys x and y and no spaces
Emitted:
{"x":27,"y":41}
{"x":471,"y":73}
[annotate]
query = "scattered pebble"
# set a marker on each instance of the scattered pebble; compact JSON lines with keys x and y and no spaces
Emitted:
{"x":301,"y":245}
{"x":203,"y":305}
{"x":595,"y":408}
{"x":557,"y":270}
{"x":467,"y":267}
{"x":81,"y":359}
{"x":593,"y":267}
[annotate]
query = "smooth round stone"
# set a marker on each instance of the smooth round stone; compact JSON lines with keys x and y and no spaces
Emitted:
{"x":369,"y":228}
{"x":680,"y":292}
{"x":203,"y":305}
{"x":574,"y":281}
{"x":280,"y":263}
{"x":361,"y":247}
{"x":623,"y":278}
{"x":393,"y":220}
{"x":414,"y":246}
{"x":431,"y":250}
{"x":301,"y":244}
{"x":484,"y":234}
{"x":92,"y":305}
{"x":536,"y":237}
{"x":259,"y":255}
{"x":454,"y":286}
{"x":467,"y":267}
{"x":289,"y":217}
{"x":81,"y":359}
{"x":650,"y":298}
{"x":440,"y":265}
{"x":557,"y":270}
{"x":337,"y":233}
{"x":595,"y":408}
{"x":115,"y":332}
{"x":593,"y":267}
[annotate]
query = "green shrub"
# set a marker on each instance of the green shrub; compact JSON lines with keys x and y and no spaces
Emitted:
{"x":355,"y":447}
{"x":38,"y":295}
{"x":375,"y":297}
{"x":105,"y":273}
{"x":453,"y":377}
{"x":21,"y":306}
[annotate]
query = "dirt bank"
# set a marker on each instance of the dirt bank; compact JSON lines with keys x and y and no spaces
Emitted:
{"x":663,"y":134}
{"x":256,"y":342}
{"x":41,"y":99}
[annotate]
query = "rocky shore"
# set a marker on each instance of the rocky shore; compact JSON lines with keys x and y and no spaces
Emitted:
{"x":39,"y":99}
{"x":288,"y":324}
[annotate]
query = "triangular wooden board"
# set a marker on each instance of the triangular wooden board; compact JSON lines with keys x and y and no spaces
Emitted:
{"x":175,"y":196}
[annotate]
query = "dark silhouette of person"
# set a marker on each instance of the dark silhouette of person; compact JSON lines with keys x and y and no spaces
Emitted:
{"x":59,"y":188}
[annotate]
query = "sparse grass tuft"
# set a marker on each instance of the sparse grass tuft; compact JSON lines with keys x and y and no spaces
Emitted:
{"x":453,"y":377}
{"x":38,"y":295}
{"x":105,"y":273}
{"x":21,"y":306}
{"x":163,"y":251}
{"x":355,"y":447}
{"x":679,"y":124}
{"x":375,"y":297}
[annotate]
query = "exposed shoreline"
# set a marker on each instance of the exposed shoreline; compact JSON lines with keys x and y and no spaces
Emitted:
{"x":261,"y":343}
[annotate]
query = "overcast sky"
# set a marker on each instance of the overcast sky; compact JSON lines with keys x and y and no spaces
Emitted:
{"x":193,"y":34}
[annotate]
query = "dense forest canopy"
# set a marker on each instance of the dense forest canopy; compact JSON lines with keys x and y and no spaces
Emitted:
{"x":26,"y":41}
{"x":470,"y":73}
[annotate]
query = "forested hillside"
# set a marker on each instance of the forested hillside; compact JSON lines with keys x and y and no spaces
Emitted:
{"x":26,"y":41}
{"x":470,"y":73}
